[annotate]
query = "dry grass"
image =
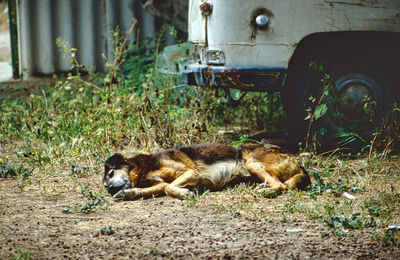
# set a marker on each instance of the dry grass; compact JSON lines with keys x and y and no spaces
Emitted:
{"x":375,"y":185}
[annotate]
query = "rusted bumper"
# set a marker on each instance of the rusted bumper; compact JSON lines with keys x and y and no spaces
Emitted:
{"x":249,"y":79}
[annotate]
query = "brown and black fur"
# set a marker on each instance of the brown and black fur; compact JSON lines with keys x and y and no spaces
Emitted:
{"x":214,"y":166}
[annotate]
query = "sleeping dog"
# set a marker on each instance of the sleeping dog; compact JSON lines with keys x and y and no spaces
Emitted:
{"x":176,"y":171}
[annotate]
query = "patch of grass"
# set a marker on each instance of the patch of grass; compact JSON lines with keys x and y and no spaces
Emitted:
{"x":15,"y":170}
{"x":195,"y":197}
{"x":22,"y":253}
{"x":388,"y":237}
{"x":354,"y":221}
{"x":380,"y":205}
{"x":287,"y":219}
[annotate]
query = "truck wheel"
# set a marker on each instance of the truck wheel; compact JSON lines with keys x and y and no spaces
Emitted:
{"x":356,"y":102}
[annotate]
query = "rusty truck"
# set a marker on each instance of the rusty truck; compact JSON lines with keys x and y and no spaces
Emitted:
{"x":270,"y":45}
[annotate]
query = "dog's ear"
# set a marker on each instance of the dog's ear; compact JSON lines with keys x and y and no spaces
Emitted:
{"x":116,"y":160}
{"x":144,"y":163}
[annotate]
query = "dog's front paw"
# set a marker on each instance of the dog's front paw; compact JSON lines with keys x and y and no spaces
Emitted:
{"x":120,"y":195}
{"x":129,"y":194}
{"x":262,"y":186}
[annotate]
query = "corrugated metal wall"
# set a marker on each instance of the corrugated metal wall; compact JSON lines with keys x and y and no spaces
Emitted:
{"x":86,"y":25}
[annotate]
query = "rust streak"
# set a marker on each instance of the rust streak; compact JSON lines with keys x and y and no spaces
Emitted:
{"x":354,"y":4}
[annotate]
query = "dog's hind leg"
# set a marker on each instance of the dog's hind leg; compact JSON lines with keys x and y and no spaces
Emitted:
{"x":179,"y":188}
{"x":299,"y":181}
{"x":258,"y":168}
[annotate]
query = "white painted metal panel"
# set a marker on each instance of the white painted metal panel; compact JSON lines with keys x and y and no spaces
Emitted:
{"x":229,"y":26}
{"x":197,"y":24}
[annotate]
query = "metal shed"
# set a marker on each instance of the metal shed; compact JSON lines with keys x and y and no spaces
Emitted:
{"x":86,"y":25}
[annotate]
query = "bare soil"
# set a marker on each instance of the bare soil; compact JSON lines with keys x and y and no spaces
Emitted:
{"x":34,"y":220}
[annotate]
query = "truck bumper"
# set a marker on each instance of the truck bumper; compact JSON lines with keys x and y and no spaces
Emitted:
{"x":249,"y":79}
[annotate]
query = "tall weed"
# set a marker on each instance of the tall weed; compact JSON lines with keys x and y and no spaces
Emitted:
{"x":148,"y":111}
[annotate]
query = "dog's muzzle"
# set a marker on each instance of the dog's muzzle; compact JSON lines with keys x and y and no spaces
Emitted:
{"x":117,"y":182}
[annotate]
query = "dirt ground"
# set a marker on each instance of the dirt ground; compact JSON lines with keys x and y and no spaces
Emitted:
{"x":34,"y":220}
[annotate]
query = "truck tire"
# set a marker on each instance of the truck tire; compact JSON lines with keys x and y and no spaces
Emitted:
{"x":357,"y":102}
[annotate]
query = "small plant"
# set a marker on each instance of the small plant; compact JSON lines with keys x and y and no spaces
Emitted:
{"x":353,"y":221}
{"x":10,"y":169}
{"x":243,"y":139}
{"x":90,"y":206}
{"x":288,"y":219}
{"x":320,"y":186}
{"x":320,"y":104}
{"x":237,"y":214}
{"x":66,"y":210}
{"x":355,"y":133}
{"x":380,"y":205}
{"x":108,"y":230}
{"x":390,"y":237}
{"x":78,"y":170}
{"x":268,"y":193}
{"x":96,"y":200}
{"x":195,"y":197}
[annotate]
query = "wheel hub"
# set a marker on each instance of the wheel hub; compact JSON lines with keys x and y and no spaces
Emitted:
{"x":352,"y":97}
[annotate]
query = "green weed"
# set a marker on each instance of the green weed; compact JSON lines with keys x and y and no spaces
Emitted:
{"x":22,"y":254}
{"x":388,"y":238}
{"x":195,"y":197}
{"x":371,"y":133}
{"x":108,"y":230}
{"x":90,"y":206}
{"x":11,"y":169}
{"x":353,"y":221}
{"x":97,"y":200}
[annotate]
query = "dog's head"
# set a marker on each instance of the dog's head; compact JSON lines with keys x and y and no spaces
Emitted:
{"x":116,"y":174}
{"x":121,"y":173}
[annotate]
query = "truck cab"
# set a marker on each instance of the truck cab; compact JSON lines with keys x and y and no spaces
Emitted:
{"x":269,"y":45}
